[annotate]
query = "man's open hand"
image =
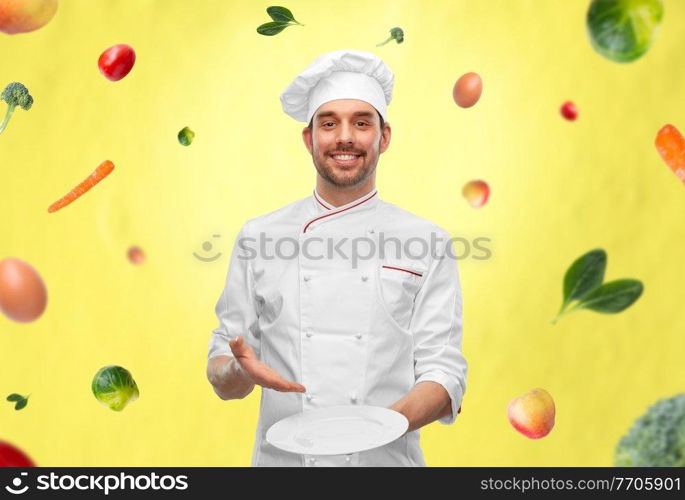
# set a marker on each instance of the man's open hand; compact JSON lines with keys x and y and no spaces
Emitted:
{"x":260,"y":373}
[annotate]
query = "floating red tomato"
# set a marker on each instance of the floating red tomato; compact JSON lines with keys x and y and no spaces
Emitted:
{"x":569,"y":111}
{"x":116,"y":62}
{"x":11,"y":456}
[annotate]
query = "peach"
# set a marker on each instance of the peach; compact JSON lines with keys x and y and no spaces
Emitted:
{"x":476,"y":193}
{"x":532,"y":414}
{"x":20,"y":16}
{"x":136,"y":255}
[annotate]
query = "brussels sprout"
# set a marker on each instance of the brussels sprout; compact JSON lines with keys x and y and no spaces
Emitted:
{"x":185,"y":136}
{"x":114,"y":387}
{"x":623,"y":30}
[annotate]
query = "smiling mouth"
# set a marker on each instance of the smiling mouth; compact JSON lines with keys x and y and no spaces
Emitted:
{"x":345,"y":160}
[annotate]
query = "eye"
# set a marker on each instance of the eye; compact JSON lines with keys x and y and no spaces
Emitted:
{"x":363,"y":123}
{"x":326,"y":123}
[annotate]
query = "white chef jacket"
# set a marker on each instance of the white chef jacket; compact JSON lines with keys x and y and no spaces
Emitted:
{"x":361,"y":332}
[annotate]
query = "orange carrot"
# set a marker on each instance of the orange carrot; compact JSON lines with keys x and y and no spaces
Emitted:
{"x":671,"y":146}
{"x":84,"y":186}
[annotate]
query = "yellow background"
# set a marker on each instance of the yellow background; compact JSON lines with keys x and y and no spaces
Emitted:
{"x":559,"y":189}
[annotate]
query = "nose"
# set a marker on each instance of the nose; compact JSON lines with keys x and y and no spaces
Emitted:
{"x":344,"y":134}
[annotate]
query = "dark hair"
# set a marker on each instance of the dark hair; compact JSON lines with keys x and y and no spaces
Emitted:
{"x":379,"y":117}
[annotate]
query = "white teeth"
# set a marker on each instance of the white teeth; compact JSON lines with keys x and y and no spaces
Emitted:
{"x":344,"y":157}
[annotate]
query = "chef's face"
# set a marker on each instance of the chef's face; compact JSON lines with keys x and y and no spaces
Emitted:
{"x":346,"y":126}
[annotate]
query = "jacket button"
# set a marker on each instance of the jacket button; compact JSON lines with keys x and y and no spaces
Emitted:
{"x":308,"y":333}
{"x":365,"y":277}
{"x":353,"y":398}
{"x":312,"y":461}
{"x":306,"y":277}
{"x":348,"y":458}
{"x":309,"y":397}
{"x":358,"y":335}
{"x":371,"y":230}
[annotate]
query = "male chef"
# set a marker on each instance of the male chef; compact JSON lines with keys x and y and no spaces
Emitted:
{"x":377,"y":322}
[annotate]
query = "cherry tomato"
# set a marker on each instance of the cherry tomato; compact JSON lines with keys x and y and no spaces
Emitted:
{"x":569,"y":111}
{"x":116,"y":62}
{"x":11,"y":456}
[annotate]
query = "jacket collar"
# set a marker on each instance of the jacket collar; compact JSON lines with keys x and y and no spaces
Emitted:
{"x":322,"y":210}
{"x":322,"y":205}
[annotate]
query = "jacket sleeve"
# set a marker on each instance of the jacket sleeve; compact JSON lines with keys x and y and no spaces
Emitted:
{"x":236,"y":309}
{"x":436,"y":326}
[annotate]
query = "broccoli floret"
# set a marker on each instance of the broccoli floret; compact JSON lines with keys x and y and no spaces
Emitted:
{"x":395,"y":34}
{"x":657,"y":438}
{"x":15,"y":94}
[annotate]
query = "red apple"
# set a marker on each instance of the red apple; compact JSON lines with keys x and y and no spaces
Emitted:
{"x":21,"y":16}
{"x":532,"y":414}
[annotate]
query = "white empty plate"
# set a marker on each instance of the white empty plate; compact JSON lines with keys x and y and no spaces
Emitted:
{"x":337,"y":430}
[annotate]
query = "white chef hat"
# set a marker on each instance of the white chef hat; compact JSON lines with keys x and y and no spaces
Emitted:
{"x":342,"y":74}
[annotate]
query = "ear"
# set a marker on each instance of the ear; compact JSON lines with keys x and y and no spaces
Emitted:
{"x":307,"y":138}
{"x":385,"y":137}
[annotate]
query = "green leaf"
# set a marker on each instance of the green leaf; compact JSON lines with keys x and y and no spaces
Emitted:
{"x":21,"y":404}
{"x":613,"y":297}
{"x":14,"y":397}
{"x":280,"y":14}
{"x":584,"y":275}
{"x":271,"y":29}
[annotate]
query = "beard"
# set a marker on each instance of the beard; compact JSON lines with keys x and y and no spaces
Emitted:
{"x":340,"y":177}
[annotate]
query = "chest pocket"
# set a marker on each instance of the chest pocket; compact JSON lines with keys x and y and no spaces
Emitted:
{"x":270,"y":305}
{"x":398,"y":283}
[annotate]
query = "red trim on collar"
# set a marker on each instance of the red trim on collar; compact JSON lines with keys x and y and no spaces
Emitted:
{"x":401,"y":269}
{"x":337,"y":211}
{"x":321,"y":202}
